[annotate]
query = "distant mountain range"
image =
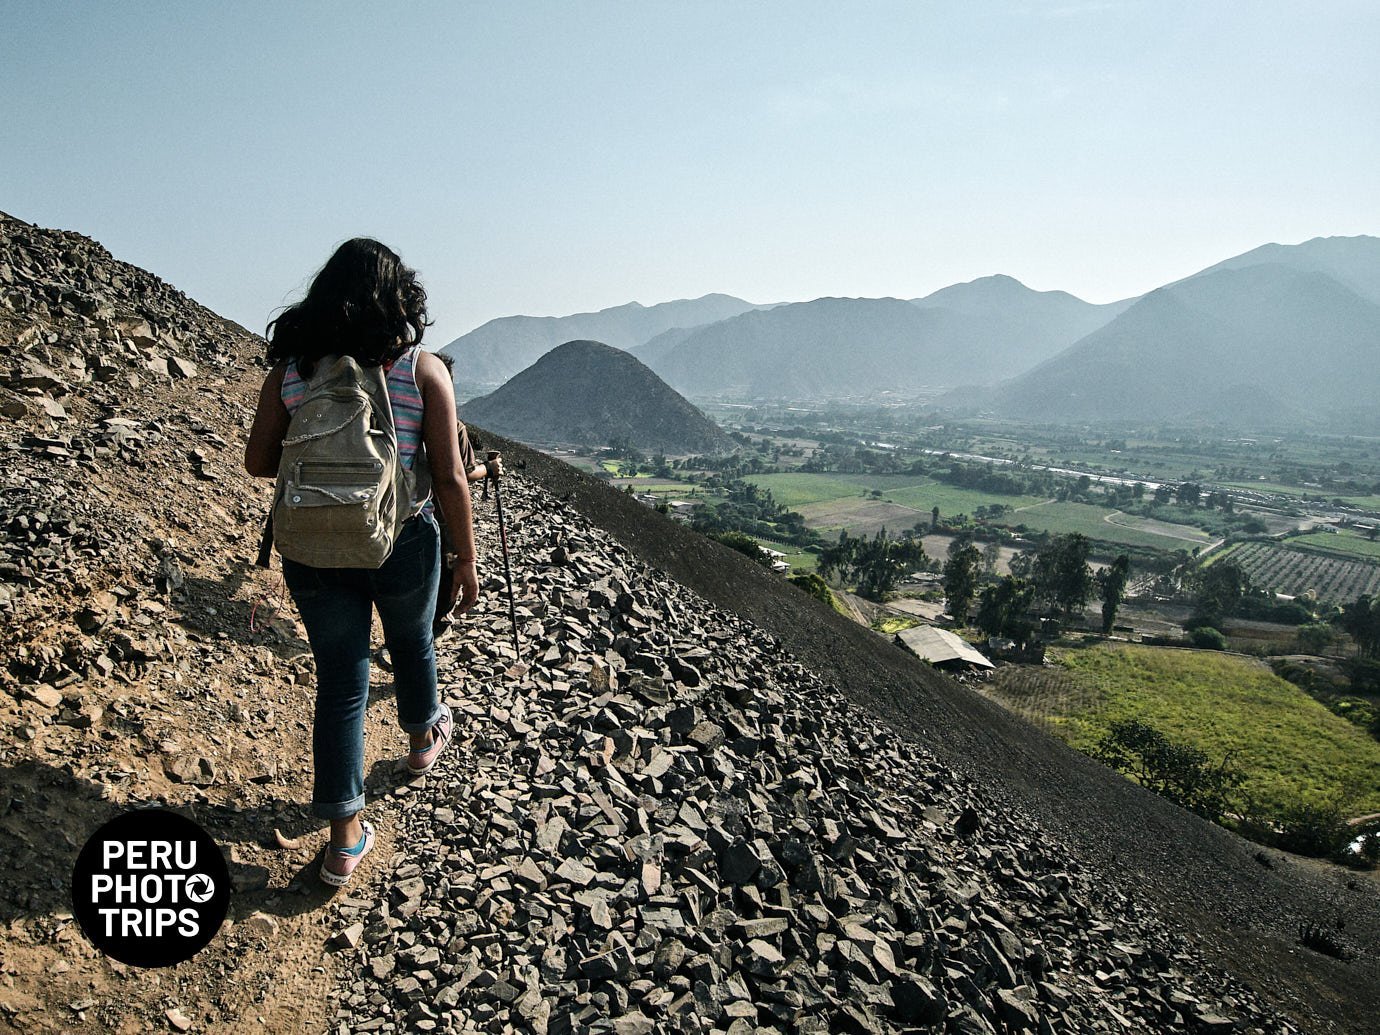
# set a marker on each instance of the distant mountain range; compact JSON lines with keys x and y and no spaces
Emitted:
{"x":1351,"y":261}
{"x":1291,"y":338}
{"x":1297,"y":339}
{"x":835,"y":348}
{"x":492,"y":353}
{"x":587,"y":393}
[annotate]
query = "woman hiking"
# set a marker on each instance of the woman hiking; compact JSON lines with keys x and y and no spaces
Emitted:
{"x":367,"y":305}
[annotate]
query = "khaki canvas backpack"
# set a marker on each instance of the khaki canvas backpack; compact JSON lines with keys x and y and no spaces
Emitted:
{"x":342,"y":493}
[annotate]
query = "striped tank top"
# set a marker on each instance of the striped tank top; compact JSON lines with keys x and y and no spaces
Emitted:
{"x":403,"y":394}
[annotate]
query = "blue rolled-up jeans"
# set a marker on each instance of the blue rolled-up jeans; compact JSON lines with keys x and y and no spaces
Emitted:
{"x":336,"y":605}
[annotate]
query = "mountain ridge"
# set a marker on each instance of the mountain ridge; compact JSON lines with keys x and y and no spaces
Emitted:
{"x":839,"y":347}
{"x":498,"y":349}
{"x":1296,"y":335}
{"x":981,"y":332}
{"x":1354,"y":261}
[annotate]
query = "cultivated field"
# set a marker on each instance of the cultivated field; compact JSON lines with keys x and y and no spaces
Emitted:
{"x":1286,"y":744}
{"x":859,"y":516}
{"x":1346,"y":544}
{"x":1101,"y":523}
{"x":833,"y":501}
{"x":1285,"y":569}
{"x":916,"y":493}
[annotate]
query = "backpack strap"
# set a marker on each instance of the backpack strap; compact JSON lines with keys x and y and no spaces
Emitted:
{"x":421,"y":465}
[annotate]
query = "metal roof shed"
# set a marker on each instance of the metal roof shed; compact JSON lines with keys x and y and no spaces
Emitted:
{"x":941,"y":648}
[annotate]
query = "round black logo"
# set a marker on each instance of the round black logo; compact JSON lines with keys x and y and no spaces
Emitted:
{"x":150,"y":888}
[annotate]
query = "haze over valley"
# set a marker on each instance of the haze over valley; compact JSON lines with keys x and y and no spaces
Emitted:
{"x":1283,"y":335}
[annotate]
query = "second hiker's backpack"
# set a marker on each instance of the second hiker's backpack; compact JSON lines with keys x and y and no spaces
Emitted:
{"x":343,"y":493}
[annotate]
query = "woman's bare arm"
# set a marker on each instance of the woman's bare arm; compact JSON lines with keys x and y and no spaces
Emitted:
{"x":265,"y":446}
{"x":448,"y":481}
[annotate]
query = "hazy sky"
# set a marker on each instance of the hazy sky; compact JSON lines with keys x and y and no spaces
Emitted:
{"x":549,"y":158}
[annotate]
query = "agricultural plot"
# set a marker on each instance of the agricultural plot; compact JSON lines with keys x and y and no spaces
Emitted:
{"x":797,"y":490}
{"x":859,"y":516}
{"x":1284,"y":569}
{"x":1344,"y":543}
{"x":1288,"y":746}
{"x":951,"y":499}
{"x":1101,"y":523}
{"x":832,"y":501}
{"x":916,"y":493}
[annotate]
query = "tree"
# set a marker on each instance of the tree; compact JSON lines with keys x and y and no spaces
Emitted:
{"x":1003,"y":610}
{"x":835,"y":559}
{"x":1111,"y":585}
{"x":934,"y":518}
{"x":1072,"y":574}
{"x":812,"y":584}
{"x":879,"y":563}
{"x":1189,"y":493}
{"x":960,"y":580}
{"x":991,"y":555}
{"x":1361,"y":618}
{"x":1060,"y":573}
{"x":1179,"y":772}
{"x":744,"y":544}
{"x":1220,"y":589}
{"x":874,"y":565}
{"x":1315,"y":637}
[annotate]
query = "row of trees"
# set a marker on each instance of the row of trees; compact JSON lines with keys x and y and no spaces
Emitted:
{"x":1057,"y":579}
{"x":875,"y":565}
{"x":752,"y":510}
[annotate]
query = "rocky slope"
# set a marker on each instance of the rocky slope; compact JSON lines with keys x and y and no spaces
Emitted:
{"x":660,"y":820}
{"x":588,"y":394}
{"x":695,"y":802}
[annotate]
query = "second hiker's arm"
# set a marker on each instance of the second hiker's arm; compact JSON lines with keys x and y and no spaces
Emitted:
{"x":265,"y":446}
{"x":448,"y":481}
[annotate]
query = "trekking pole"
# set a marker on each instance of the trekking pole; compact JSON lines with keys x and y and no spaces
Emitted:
{"x":492,"y":455}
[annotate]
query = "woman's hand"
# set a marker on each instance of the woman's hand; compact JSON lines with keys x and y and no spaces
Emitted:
{"x":464,"y":586}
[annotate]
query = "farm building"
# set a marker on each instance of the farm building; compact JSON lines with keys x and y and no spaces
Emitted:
{"x":942,"y":649}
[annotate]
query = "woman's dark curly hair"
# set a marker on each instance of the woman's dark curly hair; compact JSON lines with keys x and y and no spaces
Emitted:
{"x":364,"y":303}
